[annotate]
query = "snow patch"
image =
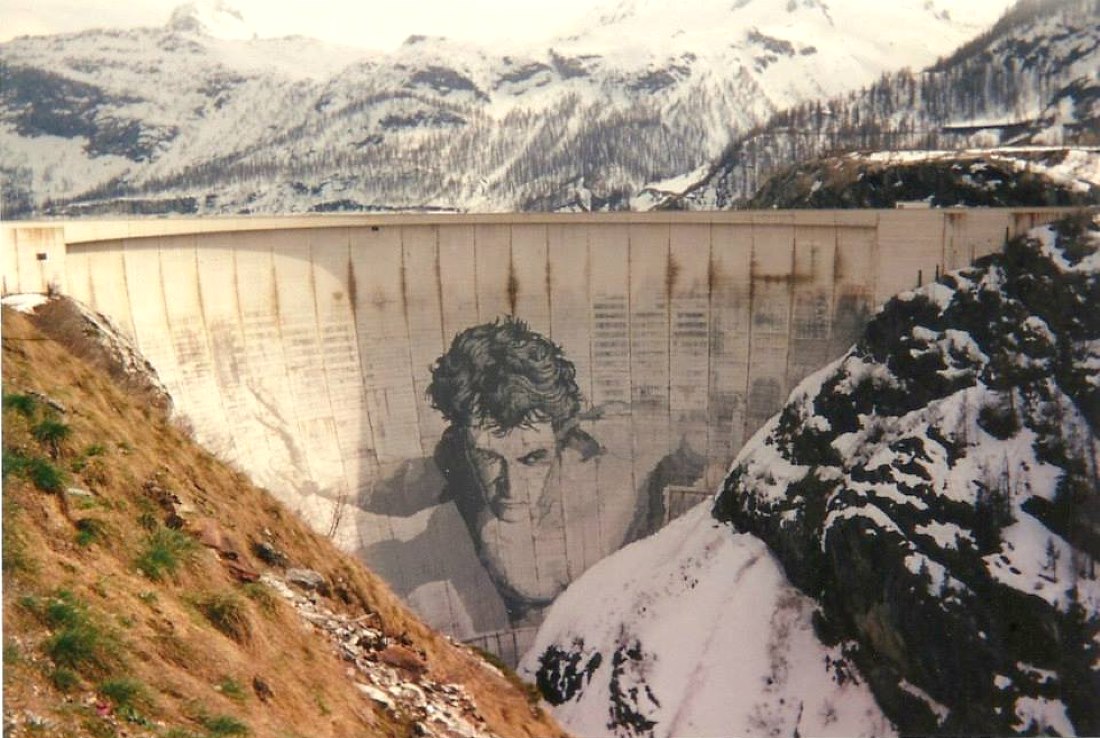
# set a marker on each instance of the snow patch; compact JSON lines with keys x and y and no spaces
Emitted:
{"x":939,"y":710}
{"x":26,"y":302}
{"x":1042,"y":714}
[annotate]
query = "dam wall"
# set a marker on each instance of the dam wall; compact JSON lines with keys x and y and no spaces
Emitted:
{"x":301,"y":349}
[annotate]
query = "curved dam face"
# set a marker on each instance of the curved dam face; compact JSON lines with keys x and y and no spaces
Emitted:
{"x":303,"y":351}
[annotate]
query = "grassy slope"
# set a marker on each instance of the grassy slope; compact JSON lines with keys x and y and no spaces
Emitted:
{"x":170,"y":671}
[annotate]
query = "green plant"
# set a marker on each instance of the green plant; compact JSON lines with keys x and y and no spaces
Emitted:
{"x":44,"y":475}
{"x":60,"y":610}
{"x":14,"y":463}
{"x":164,"y":552}
{"x":95,"y":449}
{"x":228,"y":613}
{"x":38,"y":470}
{"x":149,"y":597}
{"x":232,"y":689}
{"x":89,"y":531}
{"x":220,"y":725}
{"x":52,"y":433}
{"x":64,"y":680}
{"x":13,"y":653}
{"x":78,"y":641}
{"x":262,"y":595}
{"x":25,"y":405}
{"x":126,"y":694}
{"x":77,"y":647}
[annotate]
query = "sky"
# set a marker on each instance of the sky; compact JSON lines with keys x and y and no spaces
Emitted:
{"x":373,"y":24}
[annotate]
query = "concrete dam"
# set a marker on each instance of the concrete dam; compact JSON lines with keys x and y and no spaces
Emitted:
{"x":368,"y":369}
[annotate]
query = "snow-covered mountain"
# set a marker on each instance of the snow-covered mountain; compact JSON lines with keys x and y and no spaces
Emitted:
{"x":1034,"y":78}
{"x":933,"y":497}
{"x":198,"y":116}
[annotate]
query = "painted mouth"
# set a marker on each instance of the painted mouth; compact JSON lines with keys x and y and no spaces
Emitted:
{"x":508,"y":510}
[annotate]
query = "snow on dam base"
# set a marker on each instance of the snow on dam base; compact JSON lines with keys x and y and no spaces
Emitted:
{"x":301,"y":349}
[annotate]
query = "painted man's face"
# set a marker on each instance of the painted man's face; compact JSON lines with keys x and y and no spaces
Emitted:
{"x":508,"y":489}
{"x":513,"y":468}
{"x":508,"y":486}
{"x":519,"y":517}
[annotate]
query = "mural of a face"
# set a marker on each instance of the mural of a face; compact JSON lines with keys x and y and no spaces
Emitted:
{"x":512,"y":402}
{"x":515,"y":466}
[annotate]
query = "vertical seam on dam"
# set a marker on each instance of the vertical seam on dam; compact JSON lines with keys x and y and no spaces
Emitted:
{"x":791,"y":287}
{"x":439,"y":289}
{"x":671,"y":269}
{"x":353,"y":309}
{"x":710,"y":346}
{"x":342,"y":494}
{"x":751,"y":330}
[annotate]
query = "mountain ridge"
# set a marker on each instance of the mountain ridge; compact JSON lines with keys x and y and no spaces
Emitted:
{"x":156,"y":114}
{"x":1030,"y":80}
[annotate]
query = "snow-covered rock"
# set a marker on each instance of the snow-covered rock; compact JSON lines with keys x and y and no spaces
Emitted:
{"x":1005,"y":177}
{"x":935,"y":490}
{"x":695,"y":631}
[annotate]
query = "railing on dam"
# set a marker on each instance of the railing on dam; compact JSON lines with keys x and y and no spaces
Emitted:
{"x":302,"y":350}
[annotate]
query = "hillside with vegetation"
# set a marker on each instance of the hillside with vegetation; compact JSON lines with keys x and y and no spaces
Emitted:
{"x":150,"y":590}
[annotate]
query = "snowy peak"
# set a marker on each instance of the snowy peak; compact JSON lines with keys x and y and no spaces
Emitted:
{"x":784,"y":45}
{"x":214,"y":18}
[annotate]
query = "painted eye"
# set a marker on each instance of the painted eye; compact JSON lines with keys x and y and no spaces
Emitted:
{"x":535,"y":457}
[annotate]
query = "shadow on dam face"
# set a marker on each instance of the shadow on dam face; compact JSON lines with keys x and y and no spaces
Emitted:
{"x":651,"y":347}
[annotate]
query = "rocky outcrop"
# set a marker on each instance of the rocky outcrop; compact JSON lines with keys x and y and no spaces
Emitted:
{"x":939,"y":179}
{"x":936,"y":491}
{"x":388,"y":672}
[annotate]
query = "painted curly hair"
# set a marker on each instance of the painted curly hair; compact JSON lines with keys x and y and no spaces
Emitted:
{"x":502,"y":375}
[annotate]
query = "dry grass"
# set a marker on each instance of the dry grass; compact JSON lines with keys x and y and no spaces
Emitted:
{"x":178,"y":639}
